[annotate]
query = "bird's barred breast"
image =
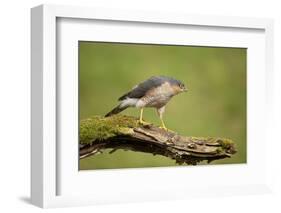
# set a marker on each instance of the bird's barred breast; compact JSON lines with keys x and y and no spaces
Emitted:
{"x":157,"y":97}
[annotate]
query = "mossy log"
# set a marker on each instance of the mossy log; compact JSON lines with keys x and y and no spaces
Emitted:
{"x":125,"y":132}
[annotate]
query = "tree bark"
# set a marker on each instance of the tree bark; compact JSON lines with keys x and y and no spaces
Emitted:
{"x":100,"y":133}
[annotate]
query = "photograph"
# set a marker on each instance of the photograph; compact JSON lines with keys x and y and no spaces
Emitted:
{"x":161,"y":105}
{"x":149,"y":104}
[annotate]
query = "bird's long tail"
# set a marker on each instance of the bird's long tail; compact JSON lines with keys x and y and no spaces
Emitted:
{"x":116,"y":110}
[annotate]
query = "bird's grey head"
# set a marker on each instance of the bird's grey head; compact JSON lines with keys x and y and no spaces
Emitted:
{"x":180,"y":86}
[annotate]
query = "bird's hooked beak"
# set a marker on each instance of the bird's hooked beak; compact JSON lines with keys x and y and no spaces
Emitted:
{"x":184,"y":89}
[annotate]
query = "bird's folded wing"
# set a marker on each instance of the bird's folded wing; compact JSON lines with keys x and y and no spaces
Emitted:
{"x":141,"y":89}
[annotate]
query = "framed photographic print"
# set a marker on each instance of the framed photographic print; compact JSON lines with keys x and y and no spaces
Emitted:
{"x":130,"y":102}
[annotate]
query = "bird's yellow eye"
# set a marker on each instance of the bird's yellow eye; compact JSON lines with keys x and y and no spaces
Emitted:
{"x":182,"y":87}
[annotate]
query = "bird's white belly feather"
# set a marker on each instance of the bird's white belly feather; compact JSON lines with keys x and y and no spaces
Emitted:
{"x":129,"y":102}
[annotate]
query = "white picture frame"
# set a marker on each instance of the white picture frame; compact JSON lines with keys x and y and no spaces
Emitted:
{"x":46,"y":162}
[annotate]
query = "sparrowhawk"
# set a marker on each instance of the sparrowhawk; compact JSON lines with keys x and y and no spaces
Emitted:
{"x":154,"y":92}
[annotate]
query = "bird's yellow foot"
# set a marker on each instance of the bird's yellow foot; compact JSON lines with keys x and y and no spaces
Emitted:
{"x":142,"y":122}
{"x":166,"y":129}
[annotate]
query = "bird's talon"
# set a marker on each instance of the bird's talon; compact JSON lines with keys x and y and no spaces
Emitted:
{"x":166,"y":129}
{"x":162,"y":127}
{"x":144,"y":123}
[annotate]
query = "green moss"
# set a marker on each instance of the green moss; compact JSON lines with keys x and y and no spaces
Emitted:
{"x":224,"y":142}
{"x":219,"y":150}
{"x":100,"y":128}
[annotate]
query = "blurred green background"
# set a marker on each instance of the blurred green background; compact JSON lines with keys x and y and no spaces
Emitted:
{"x":215,"y":104}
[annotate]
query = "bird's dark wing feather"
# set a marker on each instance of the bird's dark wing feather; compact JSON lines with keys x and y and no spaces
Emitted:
{"x":141,"y":89}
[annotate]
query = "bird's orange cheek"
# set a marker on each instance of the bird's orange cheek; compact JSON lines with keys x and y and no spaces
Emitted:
{"x":176,"y":89}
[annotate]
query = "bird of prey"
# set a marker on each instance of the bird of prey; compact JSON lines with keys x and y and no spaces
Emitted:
{"x":154,"y":92}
